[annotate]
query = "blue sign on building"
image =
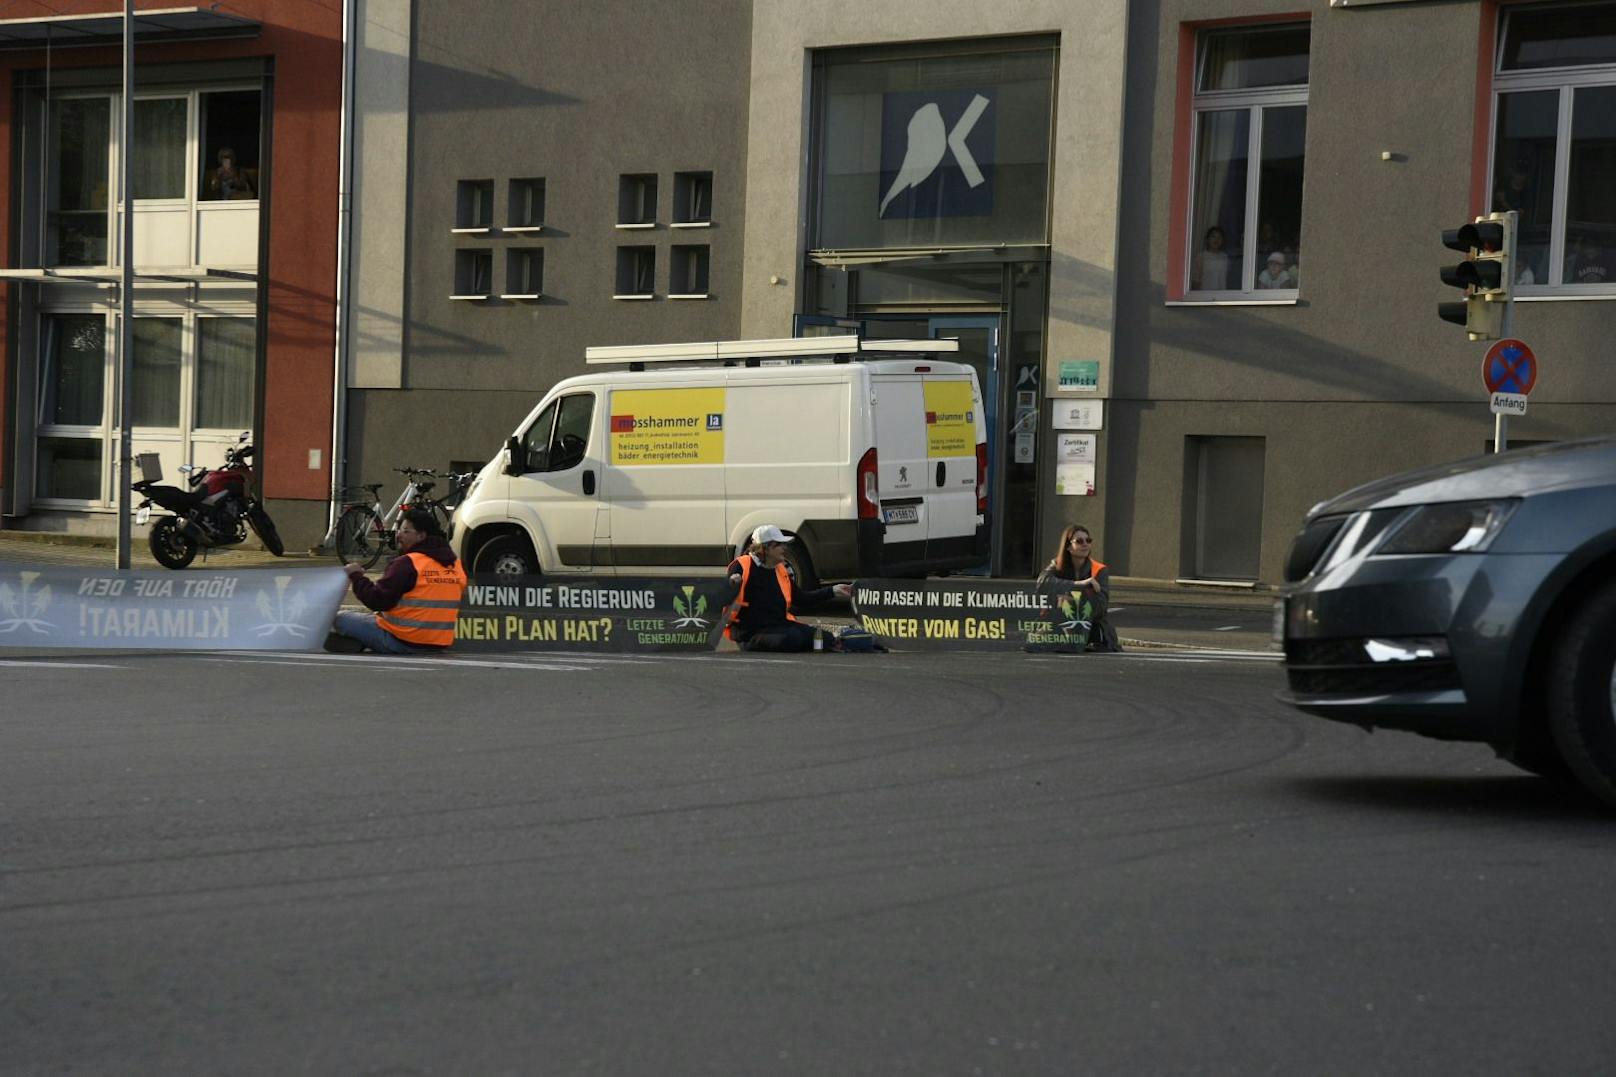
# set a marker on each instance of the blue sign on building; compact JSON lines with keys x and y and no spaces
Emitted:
{"x":937,"y":151}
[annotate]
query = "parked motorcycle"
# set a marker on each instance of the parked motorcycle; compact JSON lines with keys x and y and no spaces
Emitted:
{"x":214,"y":510}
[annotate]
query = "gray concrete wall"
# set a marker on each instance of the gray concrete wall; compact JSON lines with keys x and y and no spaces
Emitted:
{"x":577,"y":94}
{"x":381,"y":133}
{"x":1359,"y":378}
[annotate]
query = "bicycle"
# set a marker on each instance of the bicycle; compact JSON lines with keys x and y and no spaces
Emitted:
{"x":363,"y":533}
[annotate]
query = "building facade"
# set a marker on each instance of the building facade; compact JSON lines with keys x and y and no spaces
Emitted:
{"x":233,"y":157}
{"x":1106,"y":203}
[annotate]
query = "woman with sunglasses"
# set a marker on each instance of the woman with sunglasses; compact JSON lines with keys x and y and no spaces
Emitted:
{"x":1077,"y":574}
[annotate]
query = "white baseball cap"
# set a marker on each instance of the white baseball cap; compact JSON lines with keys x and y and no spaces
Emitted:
{"x":768,"y":533}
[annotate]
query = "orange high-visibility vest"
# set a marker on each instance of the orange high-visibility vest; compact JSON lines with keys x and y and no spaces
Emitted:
{"x":780,"y":572}
{"x":425,"y":616}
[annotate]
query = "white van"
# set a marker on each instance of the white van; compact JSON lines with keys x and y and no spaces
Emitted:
{"x":871,"y":453}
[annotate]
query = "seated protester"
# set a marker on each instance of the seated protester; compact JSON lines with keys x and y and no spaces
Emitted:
{"x":416,"y":599}
{"x":1075,"y":572}
{"x":760,"y":613}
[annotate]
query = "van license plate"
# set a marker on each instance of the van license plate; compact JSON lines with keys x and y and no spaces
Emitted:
{"x":142,"y":515}
{"x":903,"y":514}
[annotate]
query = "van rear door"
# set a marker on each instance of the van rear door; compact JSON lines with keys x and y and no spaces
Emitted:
{"x":953,"y":423}
{"x":900,"y":450}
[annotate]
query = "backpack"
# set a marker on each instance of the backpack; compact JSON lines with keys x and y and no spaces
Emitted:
{"x":856,"y":639}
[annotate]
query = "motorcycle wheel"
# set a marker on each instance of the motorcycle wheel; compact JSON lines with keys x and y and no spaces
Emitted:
{"x":264,"y":528}
{"x":169,"y":543}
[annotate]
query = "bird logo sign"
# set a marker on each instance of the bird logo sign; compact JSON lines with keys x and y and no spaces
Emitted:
{"x":936,"y":155}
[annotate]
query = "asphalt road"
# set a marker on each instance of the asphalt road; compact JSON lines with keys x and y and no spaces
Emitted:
{"x":728,"y":864}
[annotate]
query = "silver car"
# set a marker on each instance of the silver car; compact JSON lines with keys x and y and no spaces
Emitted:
{"x":1474,"y":601}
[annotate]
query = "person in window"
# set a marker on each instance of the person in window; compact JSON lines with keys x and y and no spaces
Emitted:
{"x":228,"y":180}
{"x":761,"y":616}
{"x":1515,"y":191}
{"x":1276,"y":275}
{"x":1211,"y":264}
{"x":1586,"y":263}
{"x":1076,"y":574}
{"x":416,"y":599}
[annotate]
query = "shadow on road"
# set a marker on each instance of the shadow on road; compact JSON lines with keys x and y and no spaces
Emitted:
{"x":1494,"y":796}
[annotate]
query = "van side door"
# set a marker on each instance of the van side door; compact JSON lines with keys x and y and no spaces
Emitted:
{"x":557,"y":496}
{"x":664,"y":479}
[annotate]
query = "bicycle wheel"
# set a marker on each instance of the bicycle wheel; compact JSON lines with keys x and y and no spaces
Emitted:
{"x":360,"y":537}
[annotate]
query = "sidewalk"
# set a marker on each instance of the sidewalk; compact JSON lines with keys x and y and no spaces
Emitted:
{"x":1150,"y":613}
{"x":79,"y":551}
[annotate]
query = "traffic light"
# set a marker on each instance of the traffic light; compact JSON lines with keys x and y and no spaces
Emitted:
{"x":1487,"y":276}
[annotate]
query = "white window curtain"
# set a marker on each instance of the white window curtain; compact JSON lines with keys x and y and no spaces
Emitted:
{"x":155,"y":356}
{"x":225,"y":361}
{"x":157,"y":167}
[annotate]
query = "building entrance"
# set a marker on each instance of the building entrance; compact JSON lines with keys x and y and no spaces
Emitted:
{"x":1010,"y":493}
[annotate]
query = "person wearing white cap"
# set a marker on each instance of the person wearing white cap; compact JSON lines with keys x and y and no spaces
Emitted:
{"x":760,"y":613}
{"x":1276,"y":275}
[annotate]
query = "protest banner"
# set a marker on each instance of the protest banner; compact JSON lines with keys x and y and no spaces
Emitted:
{"x":255,"y":609}
{"x":969,"y":614}
{"x":614,"y":615}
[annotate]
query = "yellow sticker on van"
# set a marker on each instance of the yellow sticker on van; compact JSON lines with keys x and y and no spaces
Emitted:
{"x":651,"y":427}
{"x":950,"y":420}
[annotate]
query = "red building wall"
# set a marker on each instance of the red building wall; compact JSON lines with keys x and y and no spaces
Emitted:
{"x":304,"y":37}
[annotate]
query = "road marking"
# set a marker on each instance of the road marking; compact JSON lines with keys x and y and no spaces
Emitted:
{"x":391,"y":661}
{"x":58,"y":664}
{"x":1227,"y":628}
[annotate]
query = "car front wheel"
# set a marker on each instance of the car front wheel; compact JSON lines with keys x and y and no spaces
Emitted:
{"x":1582,"y":694}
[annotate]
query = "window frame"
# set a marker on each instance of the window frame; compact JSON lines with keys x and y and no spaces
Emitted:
{"x":187,"y":432}
{"x":1255,"y":102}
{"x":1565,"y":81}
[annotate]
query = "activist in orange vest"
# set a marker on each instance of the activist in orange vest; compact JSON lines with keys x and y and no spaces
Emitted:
{"x":416,"y":599}
{"x":761,"y":616}
{"x":1075,"y":571}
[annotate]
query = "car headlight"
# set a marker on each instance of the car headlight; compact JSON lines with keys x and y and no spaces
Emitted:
{"x":1451,"y":527}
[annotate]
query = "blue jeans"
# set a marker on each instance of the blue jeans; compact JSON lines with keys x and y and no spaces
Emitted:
{"x":364,"y":628}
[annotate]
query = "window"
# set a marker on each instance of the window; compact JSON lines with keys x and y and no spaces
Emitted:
{"x":524,"y":273}
{"x":192,"y":378}
{"x":225,"y":359}
{"x":689,"y":273}
{"x":1554,"y":145}
{"x":74,"y":379}
{"x":636,"y":273}
{"x":474,"y":206}
{"x":556,"y":444}
{"x":228,"y":145}
{"x":474,"y":273}
{"x":636,"y":201}
{"x":157,"y":165}
{"x":1250,"y":111}
{"x":526,"y":210}
{"x":692,"y":199}
{"x":155,"y":357}
{"x":80,"y":177}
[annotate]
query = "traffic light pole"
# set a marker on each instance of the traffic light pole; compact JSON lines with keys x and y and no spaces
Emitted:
{"x":1501,"y":421}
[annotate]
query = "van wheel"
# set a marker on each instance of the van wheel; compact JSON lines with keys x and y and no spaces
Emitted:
{"x":507,"y":557}
{"x":802,"y":565}
{"x":1582,"y":694}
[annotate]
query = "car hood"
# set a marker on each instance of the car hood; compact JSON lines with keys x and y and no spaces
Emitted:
{"x":1520,"y":473}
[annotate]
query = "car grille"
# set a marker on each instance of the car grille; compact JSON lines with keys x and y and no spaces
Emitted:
{"x":1309,"y":545}
{"x":1373,"y":680}
{"x":1337,"y":666}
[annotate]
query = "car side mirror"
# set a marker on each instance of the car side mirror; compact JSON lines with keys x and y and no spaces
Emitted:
{"x":513,"y":456}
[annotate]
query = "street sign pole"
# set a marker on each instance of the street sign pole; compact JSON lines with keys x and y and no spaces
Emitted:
{"x":126,"y":290}
{"x":1500,"y":420}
